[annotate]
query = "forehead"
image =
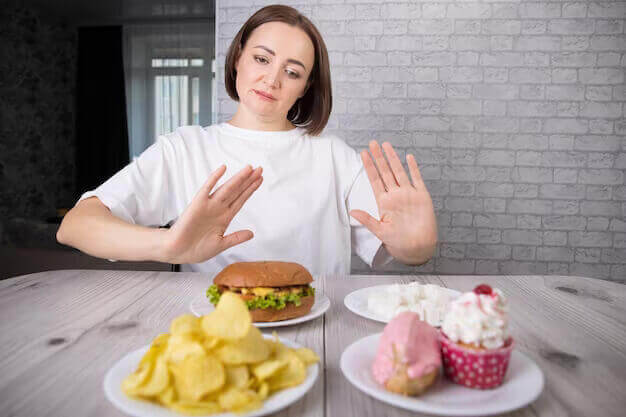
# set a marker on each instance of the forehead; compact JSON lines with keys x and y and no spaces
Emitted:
{"x":288,"y":42}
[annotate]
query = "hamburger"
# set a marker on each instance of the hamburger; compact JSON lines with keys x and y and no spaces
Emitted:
{"x":272,"y":290}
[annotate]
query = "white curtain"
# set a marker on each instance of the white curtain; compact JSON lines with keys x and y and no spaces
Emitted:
{"x":169,"y":78}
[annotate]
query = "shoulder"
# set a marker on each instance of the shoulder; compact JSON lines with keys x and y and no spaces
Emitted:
{"x":190,"y":133}
{"x":344,"y":155}
{"x":187,"y":136}
{"x":339,"y":148}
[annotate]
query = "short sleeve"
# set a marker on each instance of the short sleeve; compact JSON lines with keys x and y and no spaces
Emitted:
{"x":364,"y":243}
{"x":359,"y":195}
{"x":137,"y":193}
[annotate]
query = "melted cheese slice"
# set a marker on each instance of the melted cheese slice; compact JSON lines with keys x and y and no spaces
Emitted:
{"x":263,"y":291}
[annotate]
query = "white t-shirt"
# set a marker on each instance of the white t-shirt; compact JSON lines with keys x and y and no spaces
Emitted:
{"x":298,"y":214}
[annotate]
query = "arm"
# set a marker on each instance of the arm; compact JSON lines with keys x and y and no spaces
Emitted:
{"x":197,"y":235}
{"x":92,"y":228}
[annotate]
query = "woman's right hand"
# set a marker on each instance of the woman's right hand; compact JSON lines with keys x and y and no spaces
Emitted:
{"x":198,"y":234}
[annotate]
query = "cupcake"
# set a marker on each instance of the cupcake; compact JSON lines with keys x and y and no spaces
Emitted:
{"x":408,"y":358}
{"x":475,"y":344}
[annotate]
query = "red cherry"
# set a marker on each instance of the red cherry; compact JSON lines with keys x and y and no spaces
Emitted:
{"x":483,"y":289}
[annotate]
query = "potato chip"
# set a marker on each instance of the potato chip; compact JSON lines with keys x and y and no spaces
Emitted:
{"x":264,"y":390}
{"x":134,"y":381}
{"x":237,"y":376}
{"x":160,"y":341}
{"x":168,"y":396}
{"x":211,"y":342}
{"x":230,"y":319}
{"x":198,"y":408}
{"x":187,"y":324}
{"x":291,"y":375}
{"x":307,"y":355}
{"x":197,"y":375}
{"x":179,"y":347}
{"x":158,"y":345}
{"x":250,"y":349}
{"x":157,"y":381}
{"x":268,"y":368}
{"x":239,"y":400}
{"x":274,"y":344}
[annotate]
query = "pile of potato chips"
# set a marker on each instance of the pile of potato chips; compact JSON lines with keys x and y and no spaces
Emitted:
{"x":216,"y":363}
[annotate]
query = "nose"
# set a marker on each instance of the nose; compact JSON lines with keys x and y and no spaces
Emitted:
{"x":272,"y":78}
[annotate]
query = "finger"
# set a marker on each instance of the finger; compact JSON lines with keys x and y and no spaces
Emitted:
{"x":236,"y":238}
{"x":396,"y":165}
{"x":240,"y":201}
{"x":416,"y":176}
{"x":382,"y":165}
{"x":372,"y":174}
{"x":213,"y":179}
{"x":232,"y":185}
{"x":368,"y":221}
{"x":234,"y":195}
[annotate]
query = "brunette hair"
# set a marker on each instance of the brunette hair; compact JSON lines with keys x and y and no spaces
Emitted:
{"x":312,"y":110}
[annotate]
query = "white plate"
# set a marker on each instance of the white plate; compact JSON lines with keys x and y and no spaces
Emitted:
{"x":356,"y":301}
{"x":126,"y":365}
{"x":202,"y":306}
{"x":522,"y":385}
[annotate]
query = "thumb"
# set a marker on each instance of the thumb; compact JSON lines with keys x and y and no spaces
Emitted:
{"x":366,"y":220}
{"x":236,"y":238}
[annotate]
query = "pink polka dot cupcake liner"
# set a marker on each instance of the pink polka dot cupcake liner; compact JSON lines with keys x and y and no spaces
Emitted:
{"x":478,"y":369}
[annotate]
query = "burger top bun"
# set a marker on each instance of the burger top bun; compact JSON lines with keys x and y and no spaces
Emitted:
{"x":263,"y":274}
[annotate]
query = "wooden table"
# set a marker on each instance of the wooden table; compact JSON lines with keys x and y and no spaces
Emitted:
{"x":60,"y":331}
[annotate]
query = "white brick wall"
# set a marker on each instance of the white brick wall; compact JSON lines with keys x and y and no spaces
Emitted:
{"x":514,"y":109}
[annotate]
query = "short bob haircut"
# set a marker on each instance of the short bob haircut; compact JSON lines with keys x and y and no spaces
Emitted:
{"x":312,"y":110}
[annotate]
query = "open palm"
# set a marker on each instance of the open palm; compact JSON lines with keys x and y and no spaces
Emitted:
{"x":199,"y":233}
{"x":407,"y":224}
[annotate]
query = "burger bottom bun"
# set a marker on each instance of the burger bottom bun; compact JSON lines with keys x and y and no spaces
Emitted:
{"x":289,"y":312}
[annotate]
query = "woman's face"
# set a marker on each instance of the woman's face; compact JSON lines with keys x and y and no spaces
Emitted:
{"x":273,"y":69}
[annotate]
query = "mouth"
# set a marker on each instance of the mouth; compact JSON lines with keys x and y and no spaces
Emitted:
{"x":264,"y":96}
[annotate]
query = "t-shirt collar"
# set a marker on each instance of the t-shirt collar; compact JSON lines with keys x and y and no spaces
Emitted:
{"x":260,"y":135}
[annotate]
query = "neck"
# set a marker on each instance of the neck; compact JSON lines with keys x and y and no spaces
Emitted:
{"x":246,"y":120}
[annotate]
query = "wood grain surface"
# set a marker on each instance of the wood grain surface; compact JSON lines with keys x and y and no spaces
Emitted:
{"x":62,"y":330}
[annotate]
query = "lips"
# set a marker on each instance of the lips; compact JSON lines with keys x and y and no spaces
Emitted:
{"x":264,"y":95}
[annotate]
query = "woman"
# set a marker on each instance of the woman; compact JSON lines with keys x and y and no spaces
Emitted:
{"x":316,"y":193}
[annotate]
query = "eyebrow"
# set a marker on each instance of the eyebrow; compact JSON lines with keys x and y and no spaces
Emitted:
{"x":293,"y":61}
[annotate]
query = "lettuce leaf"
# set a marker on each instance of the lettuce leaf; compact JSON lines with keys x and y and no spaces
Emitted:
{"x":213,"y":294}
{"x":268,"y":301}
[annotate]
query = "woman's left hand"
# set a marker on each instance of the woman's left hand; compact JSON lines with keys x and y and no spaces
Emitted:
{"x":407,"y":225}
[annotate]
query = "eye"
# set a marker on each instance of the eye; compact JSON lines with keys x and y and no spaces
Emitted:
{"x":261,"y":59}
{"x":292,"y":74}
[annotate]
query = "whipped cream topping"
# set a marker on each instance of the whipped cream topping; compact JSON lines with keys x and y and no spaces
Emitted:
{"x":479,"y":319}
{"x":428,"y":300}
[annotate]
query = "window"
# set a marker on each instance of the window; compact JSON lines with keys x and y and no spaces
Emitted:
{"x":170,"y":79}
{"x":176,"y":97}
